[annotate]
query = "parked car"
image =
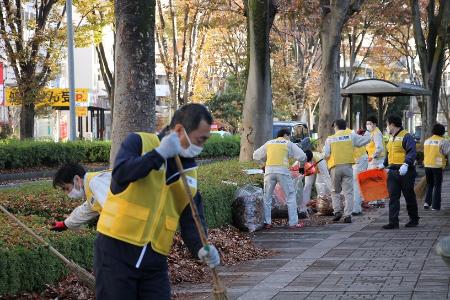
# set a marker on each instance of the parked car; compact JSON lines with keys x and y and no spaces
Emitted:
{"x":299,"y":130}
{"x":221,"y":133}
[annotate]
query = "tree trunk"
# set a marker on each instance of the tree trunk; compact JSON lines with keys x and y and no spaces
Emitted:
{"x":330,"y":101}
{"x":258,"y":112}
{"x":27,"y":113}
{"x":134,"y":93}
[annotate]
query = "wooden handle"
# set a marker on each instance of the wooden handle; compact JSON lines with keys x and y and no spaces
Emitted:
{"x":196,"y":217}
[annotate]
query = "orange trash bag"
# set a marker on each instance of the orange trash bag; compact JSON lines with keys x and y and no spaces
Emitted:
{"x":373,"y":185}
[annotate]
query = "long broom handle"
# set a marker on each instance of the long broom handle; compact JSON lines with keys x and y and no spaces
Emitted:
{"x":89,"y":277}
{"x":196,"y":217}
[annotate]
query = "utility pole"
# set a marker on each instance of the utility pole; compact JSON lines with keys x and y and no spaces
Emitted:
{"x":71,"y":69}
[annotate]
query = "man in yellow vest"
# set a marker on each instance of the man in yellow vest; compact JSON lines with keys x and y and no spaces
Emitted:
{"x":146,"y":203}
{"x":339,"y":153}
{"x":77,"y":184}
{"x":361,"y":161}
{"x":435,"y":152}
{"x":277,"y":153}
{"x":401,"y":154}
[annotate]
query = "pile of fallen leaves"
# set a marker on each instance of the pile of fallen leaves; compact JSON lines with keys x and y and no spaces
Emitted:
{"x":234,"y":247}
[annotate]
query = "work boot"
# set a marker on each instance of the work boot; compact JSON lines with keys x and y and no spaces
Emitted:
{"x":347,"y":219}
{"x":390,"y":226}
{"x":267,"y":226}
{"x":337,"y":216}
{"x":412,"y":223}
{"x":302,"y":215}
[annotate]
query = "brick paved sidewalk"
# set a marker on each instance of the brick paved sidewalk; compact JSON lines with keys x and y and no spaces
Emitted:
{"x":345,"y":261}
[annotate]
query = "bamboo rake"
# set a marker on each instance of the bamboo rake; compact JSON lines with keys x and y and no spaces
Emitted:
{"x":219,"y":290}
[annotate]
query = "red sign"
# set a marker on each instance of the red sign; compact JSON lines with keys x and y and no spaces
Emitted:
{"x":2,"y":80}
{"x":63,"y":130}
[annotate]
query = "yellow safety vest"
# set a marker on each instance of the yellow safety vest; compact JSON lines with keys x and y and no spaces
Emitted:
{"x":341,"y":149}
{"x":371,"y":146}
{"x":396,"y":153}
{"x":358,"y":152}
{"x":432,"y":156}
{"x":87,"y":189}
{"x":148,"y":210}
{"x":277,"y":152}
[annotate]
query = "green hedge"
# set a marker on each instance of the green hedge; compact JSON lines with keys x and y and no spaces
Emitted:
{"x":27,"y":266}
{"x":218,"y":195}
{"x":28,"y":154}
{"x":216,"y":146}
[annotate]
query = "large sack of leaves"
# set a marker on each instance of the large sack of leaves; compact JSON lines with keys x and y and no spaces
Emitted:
{"x":247,"y":208}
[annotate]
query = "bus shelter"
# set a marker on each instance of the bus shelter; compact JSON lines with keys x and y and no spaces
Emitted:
{"x":378,"y":88}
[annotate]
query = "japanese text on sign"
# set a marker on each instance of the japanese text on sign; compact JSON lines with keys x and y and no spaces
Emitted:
{"x":51,"y":96}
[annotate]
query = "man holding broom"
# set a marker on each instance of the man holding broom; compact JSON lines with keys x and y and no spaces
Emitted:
{"x":400,"y":159}
{"x":146,"y":203}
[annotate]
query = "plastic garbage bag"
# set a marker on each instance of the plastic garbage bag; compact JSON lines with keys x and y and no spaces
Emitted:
{"x":248,"y":208}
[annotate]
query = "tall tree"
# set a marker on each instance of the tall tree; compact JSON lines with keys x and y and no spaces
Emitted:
{"x":134,"y":95}
{"x":96,"y":16}
{"x":181,"y":33}
{"x":335,"y":13}
{"x":431,"y":43}
{"x":32,"y":46}
{"x":257,"y":114}
{"x":296,"y":39}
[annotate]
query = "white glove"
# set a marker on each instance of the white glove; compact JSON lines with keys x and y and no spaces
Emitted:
{"x":209,"y":255}
{"x":169,"y":146}
{"x":403,"y":169}
{"x":380,"y":166}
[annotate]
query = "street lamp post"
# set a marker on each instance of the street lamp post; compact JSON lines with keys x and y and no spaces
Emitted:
{"x":71,"y":69}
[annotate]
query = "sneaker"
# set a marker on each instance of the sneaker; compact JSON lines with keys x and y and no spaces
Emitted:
{"x":390,"y":226}
{"x":347,"y":219}
{"x":298,"y":225}
{"x":426,"y":206}
{"x":303,"y":215}
{"x":356,"y":213}
{"x":337,"y":216}
{"x":267,"y":226}
{"x":435,"y":209}
{"x":412,"y":223}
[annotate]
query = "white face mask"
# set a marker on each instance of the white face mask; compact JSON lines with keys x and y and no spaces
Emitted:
{"x":76,"y":193}
{"x":369,"y":127}
{"x":192,"y":150}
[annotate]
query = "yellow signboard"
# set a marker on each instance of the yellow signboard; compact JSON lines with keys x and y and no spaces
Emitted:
{"x":81,"y":111}
{"x":51,"y":96}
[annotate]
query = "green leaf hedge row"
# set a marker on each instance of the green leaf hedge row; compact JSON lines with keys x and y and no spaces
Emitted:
{"x":29,"y":154}
{"x":27,"y":266}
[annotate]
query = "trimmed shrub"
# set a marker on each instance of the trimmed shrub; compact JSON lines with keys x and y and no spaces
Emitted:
{"x":217,"y":188}
{"x":216,"y":146}
{"x":16,"y":154}
{"x":27,"y":266}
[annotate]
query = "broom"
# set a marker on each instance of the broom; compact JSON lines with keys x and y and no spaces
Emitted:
{"x":219,"y":291}
{"x":81,"y":273}
{"x":420,"y":188}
